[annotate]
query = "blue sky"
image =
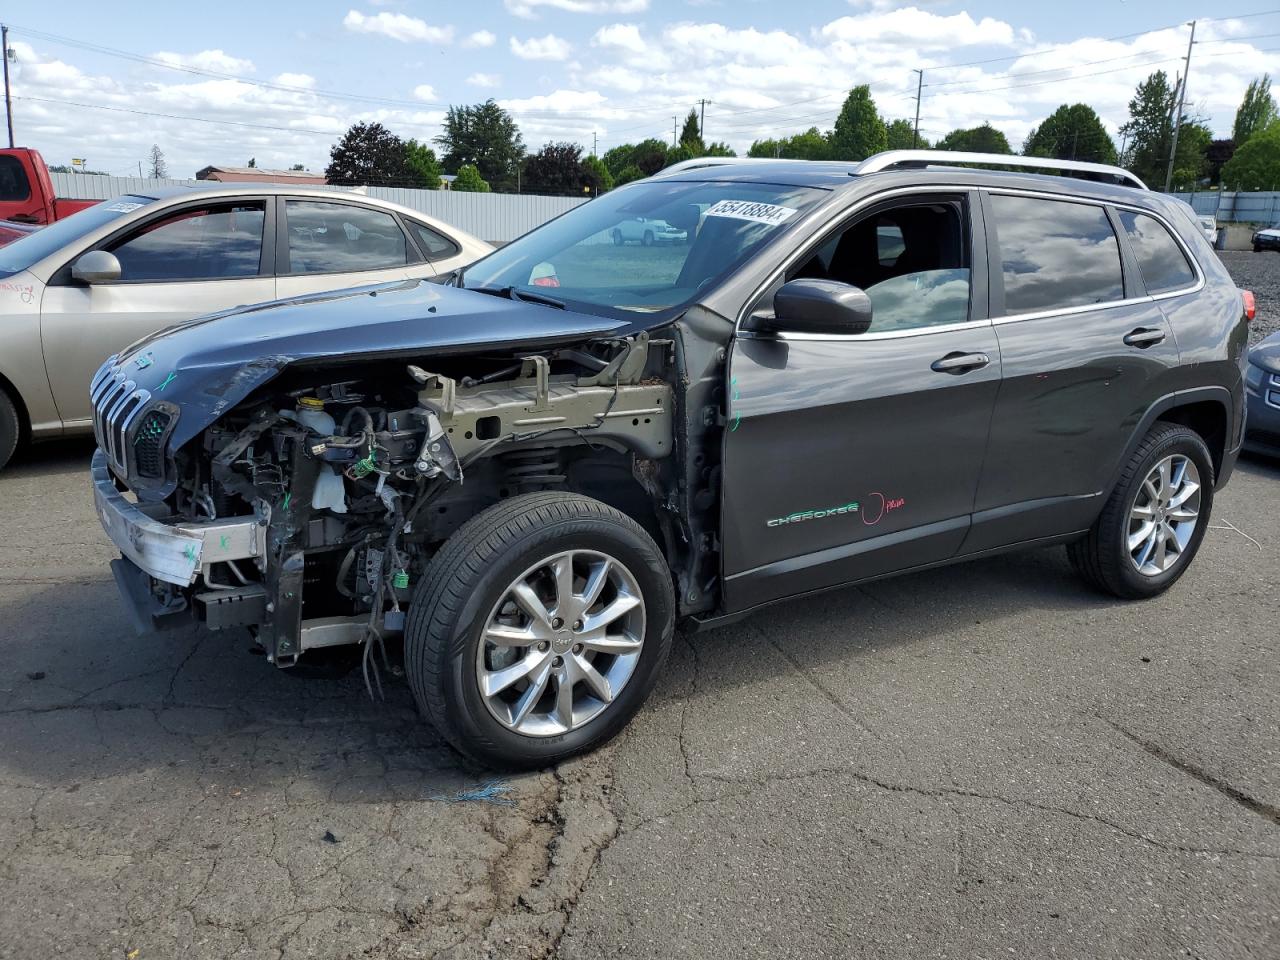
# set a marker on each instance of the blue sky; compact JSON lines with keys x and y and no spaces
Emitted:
{"x":283,"y":81}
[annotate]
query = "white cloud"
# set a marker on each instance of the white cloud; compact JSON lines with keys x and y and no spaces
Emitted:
{"x":549,"y":47}
{"x":620,"y":78}
{"x":917,"y":28}
{"x":561,"y":101}
{"x":486,"y":80}
{"x":424,"y":91}
{"x":302,"y":80}
{"x":213,"y":60}
{"x":528,"y":9}
{"x":481,"y":38}
{"x":622,"y":36}
{"x":397,"y":26}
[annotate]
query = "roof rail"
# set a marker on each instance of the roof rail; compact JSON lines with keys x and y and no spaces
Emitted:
{"x":924,"y":158}
{"x":699,"y":162}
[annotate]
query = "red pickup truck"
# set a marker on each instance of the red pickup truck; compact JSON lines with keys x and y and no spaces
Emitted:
{"x":26,"y":189}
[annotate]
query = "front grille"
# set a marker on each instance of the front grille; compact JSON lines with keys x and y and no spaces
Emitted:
{"x":116,"y":403}
{"x":1273,"y":396}
{"x":148,"y":455}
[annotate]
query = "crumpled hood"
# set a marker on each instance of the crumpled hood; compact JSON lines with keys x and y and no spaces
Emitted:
{"x":1266,"y":354}
{"x":207,"y":365}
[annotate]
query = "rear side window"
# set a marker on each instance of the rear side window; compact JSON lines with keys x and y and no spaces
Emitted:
{"x":342,"y":238}
{"x":435,"y":246}
{"x":13,"y":179}
{"x":1163,"y":265}
{"x":1056,"y":254}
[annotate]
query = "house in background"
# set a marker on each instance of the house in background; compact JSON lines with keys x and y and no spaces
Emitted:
{"x":258,"y":175}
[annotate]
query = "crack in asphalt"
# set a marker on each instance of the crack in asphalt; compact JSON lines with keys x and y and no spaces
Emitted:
{"x":1252,"y":804}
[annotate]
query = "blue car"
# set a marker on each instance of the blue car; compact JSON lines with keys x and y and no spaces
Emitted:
{"x":1262,"y":390}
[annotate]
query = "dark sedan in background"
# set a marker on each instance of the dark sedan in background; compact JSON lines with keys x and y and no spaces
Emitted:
{"x":1262,"y":388}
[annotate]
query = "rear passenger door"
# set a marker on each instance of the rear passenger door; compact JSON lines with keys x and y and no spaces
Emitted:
{"x":1085,"y":353}
{"x":328,"y":245}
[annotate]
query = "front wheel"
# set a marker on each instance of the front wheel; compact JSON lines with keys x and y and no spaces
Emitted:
{"x":1155,"y":519}
{"x":647,"y":240}
{"x":10,"y":428}
{"x":617,"y":238}
{"x":1256,"y":248}
{"x":539,"y":629}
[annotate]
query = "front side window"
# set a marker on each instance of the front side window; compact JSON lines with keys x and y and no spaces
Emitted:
{"x":646,"y":247}
{"x":214,"y":242}
{"x":1161,"y":261}
{"x":1056,"y":254}
{"x":342,"y":238}
{"x":13,"y":180}
{"x":913,"y":262}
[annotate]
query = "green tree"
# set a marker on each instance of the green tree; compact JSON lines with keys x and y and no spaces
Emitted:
{"x":297,"y":166}
{"x":1072,"y":132}
{"x":1256,"y":165}
{"x":718,"y":148}
{"x":1216,"y":156}
{"x":679,"y":154}
{"x":598,"y":177}
{"x":901,"y":135}
{"x":980,"y":139}
{"x":650,"y":156}
{"x":691,"y":132}
{"x":468,"y":180}
{"x":421,"y":160}
{"x":485,"y":136}
{"x":810,"y":145}
{"x":253,"y":163}
{"x":859,"y":132}
{"x":556,"y":170}
{"x":156,"y":160}
{"x":1149,"y":130}
{"x":619,"y":158}
{"x":369,"y":153}
{"x":1257,"y":110}
{"x":1191,"y":165}
{"x":627,"y":174}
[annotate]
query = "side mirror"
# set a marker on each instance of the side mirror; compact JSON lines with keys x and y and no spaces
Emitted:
{"x":818,"y":306}
{"x":96,"y":266}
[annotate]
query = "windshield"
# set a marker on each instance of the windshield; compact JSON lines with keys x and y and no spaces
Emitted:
{"x":21,"y":254}
{"x":646,"y":247}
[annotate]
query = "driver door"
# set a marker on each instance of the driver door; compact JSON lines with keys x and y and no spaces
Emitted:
{"x":852,"y":456}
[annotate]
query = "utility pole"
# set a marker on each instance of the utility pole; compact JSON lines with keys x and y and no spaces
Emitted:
{"x":702,"y":117}
{"x":593,"y":143}
{"x":8,"y":100}
{"x":915,"y":137}
{"x":674,"y":121}
{"x":1182,"y":97}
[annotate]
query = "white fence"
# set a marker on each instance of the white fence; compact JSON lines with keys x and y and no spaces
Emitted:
{"x":1227,"y":206}
{"x":495,"y":217}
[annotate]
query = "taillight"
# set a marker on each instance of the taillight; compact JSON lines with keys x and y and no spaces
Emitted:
{"x":1250,"y":304}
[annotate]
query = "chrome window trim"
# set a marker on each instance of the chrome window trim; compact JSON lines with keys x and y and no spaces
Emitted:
{"x":816,"y":241}
{"x":1088,"y":307}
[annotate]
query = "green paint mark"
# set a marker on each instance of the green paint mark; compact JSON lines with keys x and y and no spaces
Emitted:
{"x":287,"y":498}
{"x":224,"y":541}
{"x":190,"y":552}
{"x":173,"y":375}
{"x":737,"y":417}
{"x":400,"y":580}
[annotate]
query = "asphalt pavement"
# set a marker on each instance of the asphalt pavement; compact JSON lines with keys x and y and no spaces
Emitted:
{"x":981,"y":761}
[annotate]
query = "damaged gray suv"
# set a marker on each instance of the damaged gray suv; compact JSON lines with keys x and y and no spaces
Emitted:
{"x":530,"y":472}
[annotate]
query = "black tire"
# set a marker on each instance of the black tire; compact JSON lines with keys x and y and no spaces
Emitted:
{"x":467,"y":578}
{"x":1256,"y":248}
{"x":647,"y":239}
{"x":10,"y":428}
{"x":617,"y":238}
{"x":1102,"y":557}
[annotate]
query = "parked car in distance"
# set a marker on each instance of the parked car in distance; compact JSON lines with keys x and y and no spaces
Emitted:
{"x":1262,"y":392}
{"x":851,"y":371}
{"x":1210,"y":227}
{"x":26,"y":189}
{"x":1267,"y":239}
{"x":646,"y":232}
{"x":87,"y":286}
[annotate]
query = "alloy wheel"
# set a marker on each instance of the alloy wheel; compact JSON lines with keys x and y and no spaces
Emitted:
{"x":1164,"y":515}
{"x":561,"y":643}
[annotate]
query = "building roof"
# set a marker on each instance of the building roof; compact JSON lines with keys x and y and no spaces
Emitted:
{"x":203,"y":173}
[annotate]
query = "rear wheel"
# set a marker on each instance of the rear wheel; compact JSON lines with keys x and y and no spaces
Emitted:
{"x":1154,"y":521}
{"x":1256,"y":248}
{"x":539,"y":629}
{"x":648,"y":238}
{"x":10,"y":428}
{"x":617,"y":238}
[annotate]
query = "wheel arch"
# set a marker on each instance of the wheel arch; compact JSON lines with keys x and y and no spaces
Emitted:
{"x":24,"y":415}
{"x":1206,"y":410}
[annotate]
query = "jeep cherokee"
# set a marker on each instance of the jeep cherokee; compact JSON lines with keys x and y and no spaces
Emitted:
{"x":531,"y":471}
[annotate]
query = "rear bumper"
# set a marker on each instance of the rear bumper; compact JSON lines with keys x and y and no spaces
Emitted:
{"x":164,"y":547}
{"x":1262,"y":423}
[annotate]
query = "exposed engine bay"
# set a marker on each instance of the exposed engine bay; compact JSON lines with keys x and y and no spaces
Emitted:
{"x":354,"y":483}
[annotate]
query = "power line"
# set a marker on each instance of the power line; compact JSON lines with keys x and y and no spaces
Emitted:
{"x":175,"y":116}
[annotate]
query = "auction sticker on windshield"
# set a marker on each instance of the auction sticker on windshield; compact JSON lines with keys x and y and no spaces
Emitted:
{"x":751,"y":210}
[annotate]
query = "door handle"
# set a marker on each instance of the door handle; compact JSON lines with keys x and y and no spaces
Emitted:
{"x":1144,"y":337}
{"x":960,"y":362}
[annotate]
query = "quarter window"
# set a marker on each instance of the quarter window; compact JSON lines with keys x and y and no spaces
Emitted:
{"x":1163,"y":265}
{"x":200,"y":243}
{"x":435,"y":246}
{"x":1056,"y":254}
{"x":342,"y":237}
